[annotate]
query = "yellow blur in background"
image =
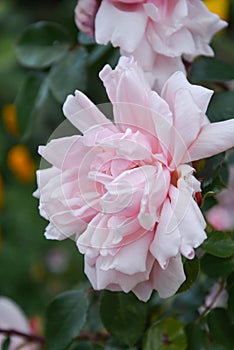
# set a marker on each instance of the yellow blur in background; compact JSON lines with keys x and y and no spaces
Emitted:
{"x":19,"y":159}
{"x":21,"y":163}
{"x":10,"y":119}
{"x":220,"y":7}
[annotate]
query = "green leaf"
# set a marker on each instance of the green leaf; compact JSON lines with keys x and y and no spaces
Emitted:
{"x":27,"y":99}
{"x":93,"y":322}
{"x":231,"y":302}
{"x":102,"y":54}
{"x":42,"y":44}
{"x":37,"y":110}
{"x":65,"y":318}
{"x":214,"y":266}
{"x":124,"y":316}
{"x":69,"y":74}
{"x":191,"y":269}
{"x":211,"y":70}
{"x":230,"y":281}
{"x":219,"y":244}
{"x":196,"y":337}
{"x":113,"y":344}
{"x":221,"y":106}
{"x":6,"y":343}
{"x":85,"y":345}
{"x":211,"y":171}
{"x":167,"y":334}
{"x":220,"y":328}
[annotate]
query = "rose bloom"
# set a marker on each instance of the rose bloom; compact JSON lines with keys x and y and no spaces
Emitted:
{"x":12,"y":317}
{"x":221,"y":215}
{"x":125,"y":189}
{"x":159,"y":33}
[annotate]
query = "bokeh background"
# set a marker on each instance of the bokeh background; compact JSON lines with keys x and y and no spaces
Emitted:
{"x":33,"y":269}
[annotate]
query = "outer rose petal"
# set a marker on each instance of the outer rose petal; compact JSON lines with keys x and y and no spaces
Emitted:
{"x":127,"y":75}
{"x":62,"y":204}
{"x":144,"y":53}
{"x":112,"y":24}
{"x":213,"y":139}
{"x":83,"y":114}
{"x":52,"y":232}
{"x":209,"y":24}
{"x":179,"y":81}
{"x":112,"y":279}
{"x":186,"y":211}
{"x":163,"y":68}
{"x":166,"y":282}
{"x":166,"y":242}
{"x":64,"y":152}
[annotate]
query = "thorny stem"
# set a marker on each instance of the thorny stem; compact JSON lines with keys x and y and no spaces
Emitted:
{"x":210,"y":306}
{"x":30,"y":337}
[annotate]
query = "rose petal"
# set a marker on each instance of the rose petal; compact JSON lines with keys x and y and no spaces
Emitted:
{"x":213,"y":139}
{"x":168,"y":281}
{"x":112,"y":24}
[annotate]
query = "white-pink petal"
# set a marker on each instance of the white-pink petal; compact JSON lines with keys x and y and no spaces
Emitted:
{"x":122,"y":28}
{"x":213,"y":138}
{"x":83,"y":114}
{"x":168,"y":281}
{"x":166,"y":241}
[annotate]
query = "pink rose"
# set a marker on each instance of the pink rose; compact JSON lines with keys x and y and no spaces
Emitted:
{"x":157,"y":33}
{"x":221,"y":215}
{"x":12,"y":317}
{"x":124,"y":189}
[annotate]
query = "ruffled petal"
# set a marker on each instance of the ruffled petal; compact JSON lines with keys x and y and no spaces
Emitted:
{"x":168,"y":281}
{"x":83,"y":114}
{"x":178,"y":81}
{"x":113,"y":279}
{"x":112,"y":24}
{"x":132,"y":97}
{"x":125,"y":259}
{"x":65,"y":152}
{"x":190,"y":221}
{"x":163,"y":68}
{"x":166,"y":241}
{"x":213,"y":138}
{"x":203,"y":24}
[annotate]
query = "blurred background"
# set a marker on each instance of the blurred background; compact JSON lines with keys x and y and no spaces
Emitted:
{"x":32,"y":269}
{"x":33,"y":87}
